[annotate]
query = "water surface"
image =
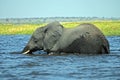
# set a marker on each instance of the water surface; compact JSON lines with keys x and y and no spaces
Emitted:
{"x":15,"y":66}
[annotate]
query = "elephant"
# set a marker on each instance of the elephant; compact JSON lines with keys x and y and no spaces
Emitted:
{"x":53,"y":38}
{"x":44,"y":38}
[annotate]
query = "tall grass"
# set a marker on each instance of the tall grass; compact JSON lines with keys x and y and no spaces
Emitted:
{"x":109,"y":28}
{"x":6,"y":29}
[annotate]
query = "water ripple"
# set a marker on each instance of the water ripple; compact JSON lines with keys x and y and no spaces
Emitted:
{"x":16,"y":66}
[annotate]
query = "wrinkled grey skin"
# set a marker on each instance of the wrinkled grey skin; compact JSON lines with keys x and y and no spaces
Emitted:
{"x":85,"y":38}
{"x":44,"y":38}
{"x":53,"y":38}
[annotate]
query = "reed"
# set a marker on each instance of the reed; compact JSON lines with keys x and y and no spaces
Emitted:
{"x":109,"y":28}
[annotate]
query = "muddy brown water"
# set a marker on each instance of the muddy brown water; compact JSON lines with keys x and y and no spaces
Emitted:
{"x":16,"y":66}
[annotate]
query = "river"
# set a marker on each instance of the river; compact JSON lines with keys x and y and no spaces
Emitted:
{"x":16,"y":66}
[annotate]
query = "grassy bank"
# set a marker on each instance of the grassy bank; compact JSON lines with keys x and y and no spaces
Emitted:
{"x":109,"y":28}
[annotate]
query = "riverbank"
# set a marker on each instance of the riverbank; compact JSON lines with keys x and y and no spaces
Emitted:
{"x":109,"y":28}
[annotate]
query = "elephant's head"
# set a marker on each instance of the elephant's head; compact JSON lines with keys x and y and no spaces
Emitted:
{"x":44,"y":38}
{"x":36,"y":41}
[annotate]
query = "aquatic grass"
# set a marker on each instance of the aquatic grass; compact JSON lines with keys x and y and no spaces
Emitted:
{"x":71,"y":24}
{"x":109,"y":28}
{"x":6,"y":29}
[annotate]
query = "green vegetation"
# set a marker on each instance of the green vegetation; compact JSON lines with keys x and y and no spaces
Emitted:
{"x":109,"y":28}
{"x":8,"y":29}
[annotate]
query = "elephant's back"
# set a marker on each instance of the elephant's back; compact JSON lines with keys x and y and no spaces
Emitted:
{"x":89,"y":28}
{"x":90,"y":32}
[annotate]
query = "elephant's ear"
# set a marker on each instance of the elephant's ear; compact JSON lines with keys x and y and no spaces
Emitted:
{"x":52,"y":35}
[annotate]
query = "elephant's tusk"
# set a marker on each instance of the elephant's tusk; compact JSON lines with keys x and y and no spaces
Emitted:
{"x":26,"y":52}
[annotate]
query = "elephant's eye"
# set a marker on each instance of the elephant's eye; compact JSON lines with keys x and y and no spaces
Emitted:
{"x":35,"y":41}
